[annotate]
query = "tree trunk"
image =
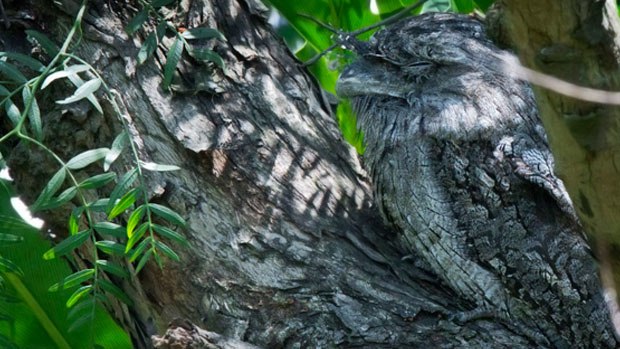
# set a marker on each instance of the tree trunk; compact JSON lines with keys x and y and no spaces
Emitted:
{"x":286,"y":246}
{"x":577,"y":41}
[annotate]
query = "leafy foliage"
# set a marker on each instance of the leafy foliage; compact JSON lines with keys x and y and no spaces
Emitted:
{"x":181,"y":42}
{"x":97,"y":231}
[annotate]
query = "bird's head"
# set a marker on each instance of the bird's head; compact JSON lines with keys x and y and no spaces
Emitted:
{"x":400,"y":59}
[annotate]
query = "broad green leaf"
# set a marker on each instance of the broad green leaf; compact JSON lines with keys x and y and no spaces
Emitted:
{"x":206,"y":55}
{"x":78,"y":294}
{"x":134,"y":220}
{"x":145,"y":258}
{"x":99,"y":205}
{"x":119,"y":143}
{"x":137,"y":22}
{"x":115,"y":291}
{"x":124,"y":203}
{"x":484,"y":4}
{"x":11,"y":72}
{"x":25,"y":60}
{"x":167,"y":251}
{"x":109,"y":228}
{"x":148,"y":47}
{"x":112,"y":268}
{"x":80,"y":322}
{"x":61,"y":199}
{"x":12,"y":111}
{"x":87,"y":89}
{"x":167,"y":214}
{"x":98,"y":181}
{"x":134,"y":238}
{"x":9,"y":239}
{"x":11,"y":223}
{"x":73,"y":280}
{"x":160,"y":3}
{"x":203,"y":33}
{"x":161,"y":30}
{"x":74,"y":225}
{"x":48,"y":45}
{"x":50,"y":189}
{"x":172,"y":59}
{"x":67,"y":245}
{"x":122,"y":187}
{"x":462,"y":6}
{"x":111,"y":247}
{"x":86,"y":158}
{"x":34,"y":114}
{"x":68,"y":71}
{"x":141,"y":247}
{"x":7,"y":266}
{"x":151,"y":166}
{"x":169,"y":234}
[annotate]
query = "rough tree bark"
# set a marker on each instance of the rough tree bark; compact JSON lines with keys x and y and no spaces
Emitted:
{"x":287,"y":249}
{"x":577,"y":41}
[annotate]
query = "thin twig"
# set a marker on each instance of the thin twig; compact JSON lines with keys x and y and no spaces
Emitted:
{"x":513,"y":67}
{"x":344,"y":36}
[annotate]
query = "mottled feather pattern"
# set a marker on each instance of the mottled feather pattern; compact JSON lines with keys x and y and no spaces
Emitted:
{"x":461,"y":167}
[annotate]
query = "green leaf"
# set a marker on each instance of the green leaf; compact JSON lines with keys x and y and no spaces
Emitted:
{"x":203,"y":33}
{"x":141,"y":247}
{"x":161,"y":30}
{"x":86,"y":90}
{"x":7,"y":266}
{"x":172,"y":59}
{"x":61,"y":199}
{"x":145,"y":258}
{"x":167,"y":214}
{"x":48,"y":45}
{"x":124,"y":203}
{"x":134,"y":220}
{"x":50,"y":189}
{"x":68,"y":71}
{"x":169,"y":234}
{"x":12,"y":111}
{"x":151,"y":166}
{"x":34,"y":114}
{"x":484,"y":4}
{"x":112,"y":268}
{"x":81,"y":321}
{"x":78,"y":82}
{"x":206,"y":55}
{"x":67,"y":245}
{"x":121,"y":187}
{"x":109,"y":228}
{"x":462,"y":6}
{"x":115,"y":291}
{"x":11,"y":72}
{"x":160,"y":3}
{"x":78,"y":294}
{"x":73,"y":280}
{"x":9,"y":239}
{"x":134,"y":238}
{"x":119,"y":143}
{"x":74,"y":225}
{"x":148,"y":47}
{"x":137,"y":22}
{"x":25,"y":60}
{"x":98,"y":181}
{"x":167,"y":251}
{"x":86,"y":158}
{"x":111,"y":247}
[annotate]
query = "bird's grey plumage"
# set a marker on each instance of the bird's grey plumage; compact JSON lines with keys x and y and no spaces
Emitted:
{"x":462,"y":168}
